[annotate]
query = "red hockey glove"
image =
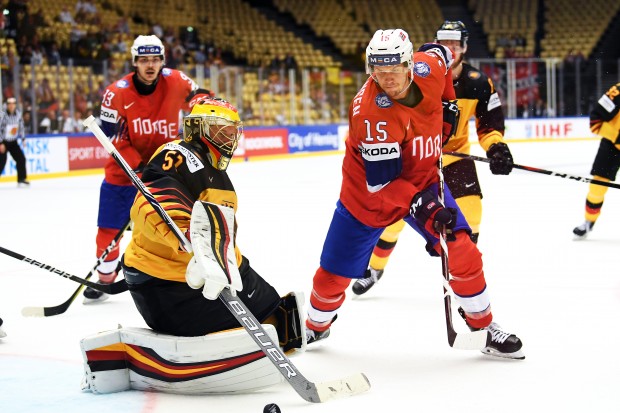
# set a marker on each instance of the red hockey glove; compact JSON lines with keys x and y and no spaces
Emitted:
{"x":451,"y":114}
{"x":428,"y":211}
{"x":500,"y":158}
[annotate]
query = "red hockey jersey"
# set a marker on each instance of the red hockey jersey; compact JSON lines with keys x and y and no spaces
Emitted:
{"x":392,"y":150}
{"x":139,"y":124}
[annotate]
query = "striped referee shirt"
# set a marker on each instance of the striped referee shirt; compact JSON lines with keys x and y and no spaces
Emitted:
{"x":11,"y":126}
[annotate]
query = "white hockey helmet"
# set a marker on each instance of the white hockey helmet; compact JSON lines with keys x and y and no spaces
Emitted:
{"x":147,"y":46}
{"x":389,"y":47}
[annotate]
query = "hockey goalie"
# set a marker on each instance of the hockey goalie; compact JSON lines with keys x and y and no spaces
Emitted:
{"x":194,"y":344}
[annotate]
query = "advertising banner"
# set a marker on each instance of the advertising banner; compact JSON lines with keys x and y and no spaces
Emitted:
{"x":313,"y":138}
{"x":259,"y":142}
{"x":85,"y":152}
{"x":549,"y":128}
{"x":44,"y":155}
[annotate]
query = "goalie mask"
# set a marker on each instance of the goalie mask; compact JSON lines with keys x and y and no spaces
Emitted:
{"x":216,"y":125}
{"x":389,"y":48}
{"x":147,"y":46}
{"x":453,"y":30}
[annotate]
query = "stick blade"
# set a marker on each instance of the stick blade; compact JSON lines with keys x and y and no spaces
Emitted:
{"x":33,"y":312}
{"x":348,"y":386}
{"x":475,"y":340}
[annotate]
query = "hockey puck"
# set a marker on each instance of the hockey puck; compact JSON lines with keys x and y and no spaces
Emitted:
{"x":272,"y":408}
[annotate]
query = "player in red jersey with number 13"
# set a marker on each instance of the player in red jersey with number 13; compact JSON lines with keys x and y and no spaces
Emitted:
{"x":140,"y":112}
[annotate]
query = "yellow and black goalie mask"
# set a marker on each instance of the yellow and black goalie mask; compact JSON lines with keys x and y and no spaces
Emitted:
{"x":216,"y":124}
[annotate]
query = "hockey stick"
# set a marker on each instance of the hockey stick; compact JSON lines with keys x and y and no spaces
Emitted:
{"x":61,"y":308}
{"x":309,"y":391}
{"x":539,"y":170}
{"x":473,"y":340}
{"x":115,"y":288}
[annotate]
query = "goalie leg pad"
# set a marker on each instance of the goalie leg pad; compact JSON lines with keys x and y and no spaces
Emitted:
{"x":290,"y":323}
{"x":140,"y":359}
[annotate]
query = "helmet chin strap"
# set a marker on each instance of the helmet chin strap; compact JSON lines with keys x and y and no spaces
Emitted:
{"x":406,"y":87}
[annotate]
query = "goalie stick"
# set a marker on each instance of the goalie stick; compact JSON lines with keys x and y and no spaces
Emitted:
{"x":61,"y":308}
{"x":309,"y":391}
{"x":473,"y":340}
{"x":539,"y":170}
{"x":115,"y":288}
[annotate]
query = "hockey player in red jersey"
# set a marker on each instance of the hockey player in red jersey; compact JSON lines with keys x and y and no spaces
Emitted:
{"x":139,"y":113}
{"x":396,"y":133}
{"x":477,"y":98}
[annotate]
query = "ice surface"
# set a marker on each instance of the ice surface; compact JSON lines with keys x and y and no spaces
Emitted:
{"x":562,"y":297}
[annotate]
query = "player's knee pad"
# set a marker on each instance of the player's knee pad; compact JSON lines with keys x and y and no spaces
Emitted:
{"x":290,"y":324}
{"x":328,"y":289}
{"x":465,"y":260}
{"x":136,"y":358}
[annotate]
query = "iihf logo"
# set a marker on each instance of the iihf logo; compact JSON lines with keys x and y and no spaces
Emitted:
{"x":383,"y":101}
{"x":422,"y":69}
{"x":122,"y":84}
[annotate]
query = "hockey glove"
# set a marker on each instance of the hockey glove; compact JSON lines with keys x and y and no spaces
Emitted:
{"x":500,"y":159}
{"x":197,"y":95}
{"x":441,"y":51}
{"x":451,"y":114}
{"x":428,"y":211}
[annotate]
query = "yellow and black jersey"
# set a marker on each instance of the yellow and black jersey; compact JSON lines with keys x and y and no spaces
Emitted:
{"x":477,"y":97}
{"x":604,"y":119}
{"x":177,"y":175}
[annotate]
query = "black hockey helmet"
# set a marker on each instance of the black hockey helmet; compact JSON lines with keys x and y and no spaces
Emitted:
{"x":453,"y":30}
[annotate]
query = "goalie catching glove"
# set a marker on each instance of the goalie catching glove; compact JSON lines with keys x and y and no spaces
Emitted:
{"x":428,"y":211}
{"x":214,"y":264}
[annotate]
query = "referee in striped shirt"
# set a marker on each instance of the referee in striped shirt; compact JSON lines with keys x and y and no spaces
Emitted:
{"x":11,"y":128}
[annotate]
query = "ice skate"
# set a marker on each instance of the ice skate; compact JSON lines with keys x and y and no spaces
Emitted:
{"x":92,"y":296}
{"x":581,"y":232}
{"x":312,"y":336}
{"x":371,"y":277}
{"x":2,"y":333}
{"x":503,"y":344}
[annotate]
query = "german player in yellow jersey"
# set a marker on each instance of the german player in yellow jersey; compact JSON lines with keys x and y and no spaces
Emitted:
{"x":605,"y":122}
{"x":477,"y":98}
{"x":164,"y":285}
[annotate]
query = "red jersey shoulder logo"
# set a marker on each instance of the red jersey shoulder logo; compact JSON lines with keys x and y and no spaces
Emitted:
{"x":421,"y":69}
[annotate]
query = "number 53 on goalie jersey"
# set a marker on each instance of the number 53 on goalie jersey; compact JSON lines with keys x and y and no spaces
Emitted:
{"x":177,"y":176}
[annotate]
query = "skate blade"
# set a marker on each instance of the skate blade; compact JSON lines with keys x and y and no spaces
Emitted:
{"x":517,"y":355}
{"x":90,"y":301}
